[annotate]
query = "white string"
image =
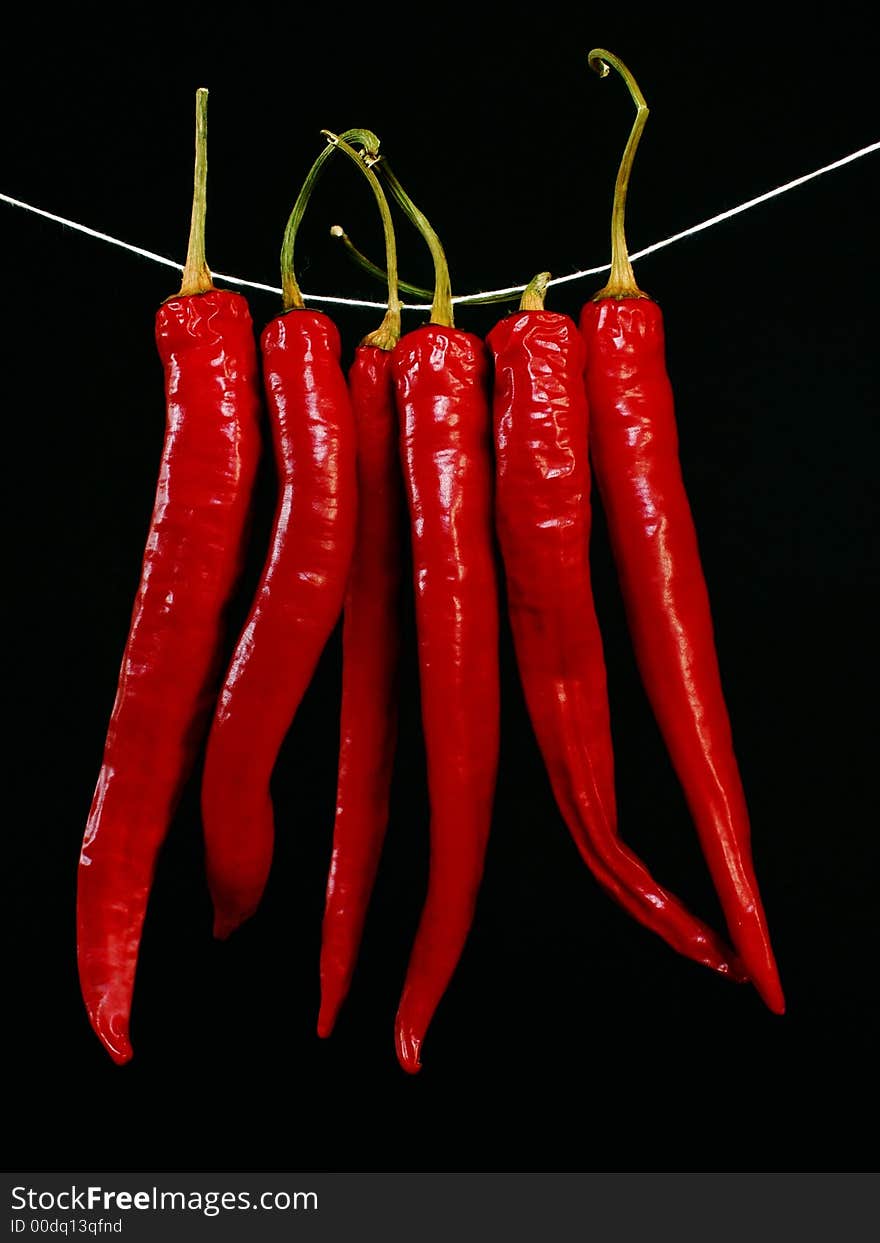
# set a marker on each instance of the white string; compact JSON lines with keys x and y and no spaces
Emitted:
{"x":461,"y":298}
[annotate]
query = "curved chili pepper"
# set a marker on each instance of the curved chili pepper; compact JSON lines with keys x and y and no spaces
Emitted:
{"x":543,"y":521}
{"x":635,"y":456}
{"x":441,"y":375}
{"x":370,"y":661}
{"x":370,"y":646}
{"x":299,"y":597}
{"x":168,"y":677}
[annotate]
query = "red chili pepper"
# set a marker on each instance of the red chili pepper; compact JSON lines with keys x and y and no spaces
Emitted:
{"x":299,"y":597}
{"x":370,"y":646}
{"x":370,"y":658}
{"x":441,"y":375}
{"x":441,"y":381}
{"x":635,"y":456}
{"x":543,"y":520}
{"x":192,"y":561}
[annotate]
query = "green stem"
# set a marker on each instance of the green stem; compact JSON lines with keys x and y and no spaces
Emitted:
{"x":534,"y":292}
{"x":441,"y":306}
{"x":417,"y":291}
{"x":196,"y":275}
{"x":622,"y":281}
{"x":373,"y":269}
{"x":387,"y":334}
{"x":291,"y":293}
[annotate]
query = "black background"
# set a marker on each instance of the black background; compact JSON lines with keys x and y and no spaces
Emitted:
{"x":570,"y":1039}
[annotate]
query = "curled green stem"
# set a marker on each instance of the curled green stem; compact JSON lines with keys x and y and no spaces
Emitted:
{"x":387,"y":334}
{"x":291,"y":294}
{"x":622,"y":281}
{"x":196,"y":274}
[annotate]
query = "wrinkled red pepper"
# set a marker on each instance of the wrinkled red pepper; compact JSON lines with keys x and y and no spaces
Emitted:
{"x":170,"y":665}
{"x":635,"y":457}
{"x":299,"y":597}
{"x":441,"y":379}
{"x":297,"y":605}
{"x":543,"y":521}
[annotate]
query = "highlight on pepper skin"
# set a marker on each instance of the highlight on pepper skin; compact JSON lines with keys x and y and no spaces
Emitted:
{"x":108,"y":1010}
{"x":409,"y":1047}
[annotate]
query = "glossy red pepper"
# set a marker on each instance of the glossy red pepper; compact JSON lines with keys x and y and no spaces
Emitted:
{"x":543,"y":521}
{"x":441,"y":383}
{"x":370,"y":640}
{"x":370,"y":661}
{"x":441,"y":377}
{"x":297,"y":605}
{"x":300,"y":594}
{"x":635,"y":457}
{"x":169,"y":668}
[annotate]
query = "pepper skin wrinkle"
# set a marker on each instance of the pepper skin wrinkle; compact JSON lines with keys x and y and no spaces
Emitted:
{"x":370,"y":663}
{"x":297,"y":604}
{"x":170,"y":667}
{"x":543,"y":520}
{"x":635,"y":457}
{"x":441,"y":379}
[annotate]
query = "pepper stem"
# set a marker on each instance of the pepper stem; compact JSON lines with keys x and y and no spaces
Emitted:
{"x":196,"y":274}
{"x":533,"y":294}
{"x":291,"y":293}
{"x":441,"y":306}
{"x":373,"y":269}
{"x":387,"y":334}
{"x":622,"y":281}
{"x":417,"y":291}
